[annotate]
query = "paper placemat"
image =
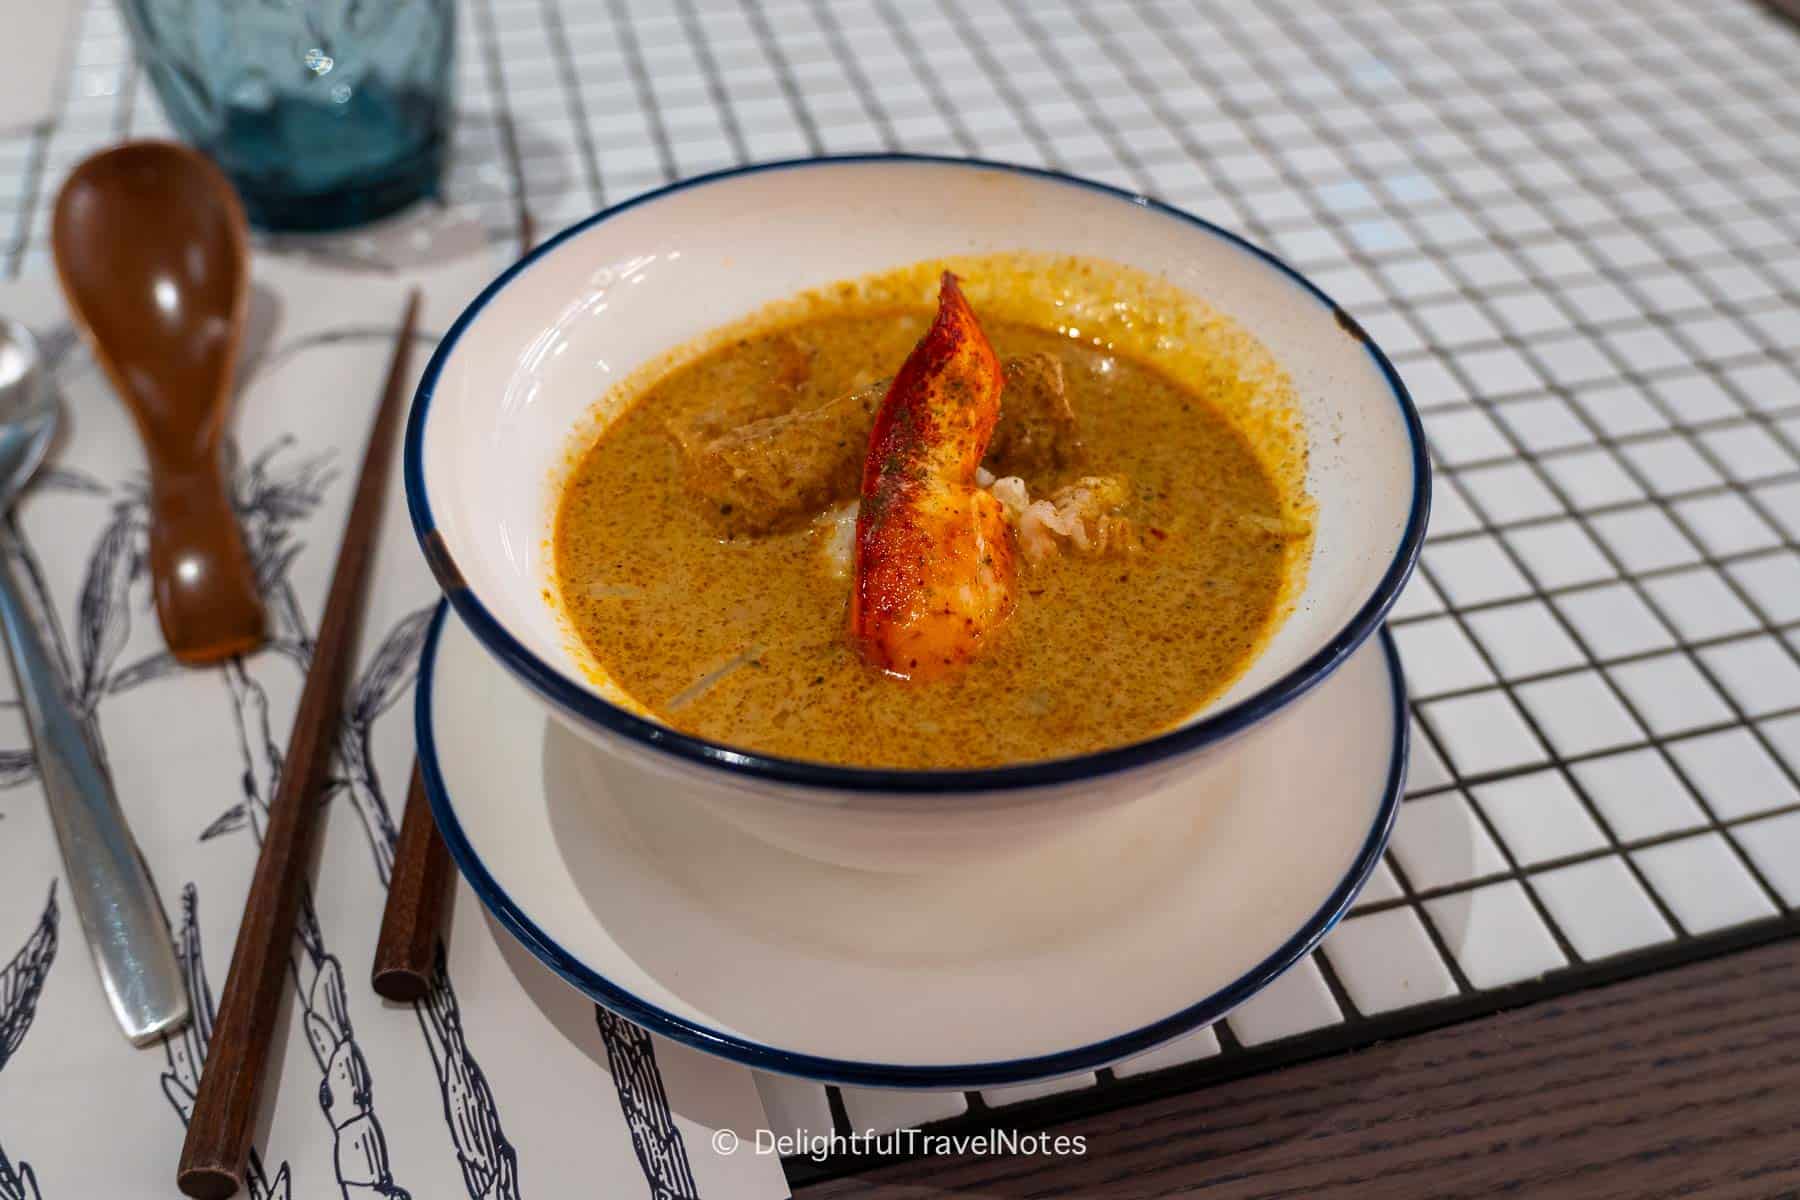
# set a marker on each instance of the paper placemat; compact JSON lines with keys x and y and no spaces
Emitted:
{"x":504,"y":1082}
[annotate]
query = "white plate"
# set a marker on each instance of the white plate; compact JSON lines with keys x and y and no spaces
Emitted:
{"x":1158,"y":918}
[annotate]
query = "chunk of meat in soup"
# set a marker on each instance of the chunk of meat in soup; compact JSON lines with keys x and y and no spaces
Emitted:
{"x":783,"y":470}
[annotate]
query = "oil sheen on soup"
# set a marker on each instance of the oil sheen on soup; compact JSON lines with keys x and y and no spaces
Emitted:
{"x":701,"y":542}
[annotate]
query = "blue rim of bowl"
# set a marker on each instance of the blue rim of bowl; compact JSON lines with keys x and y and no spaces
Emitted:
{"x":890,"y":1075}
{"x":559,"y":690}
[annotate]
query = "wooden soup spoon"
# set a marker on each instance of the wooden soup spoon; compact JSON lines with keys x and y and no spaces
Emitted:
{"x":151,"y":247}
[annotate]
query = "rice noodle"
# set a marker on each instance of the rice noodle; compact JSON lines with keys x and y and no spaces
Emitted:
{"x":711,"y":679}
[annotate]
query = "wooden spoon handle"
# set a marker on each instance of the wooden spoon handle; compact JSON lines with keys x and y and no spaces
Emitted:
{"x":201,"y":575}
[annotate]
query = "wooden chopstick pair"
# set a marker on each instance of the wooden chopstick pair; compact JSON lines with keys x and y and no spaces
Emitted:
{"x":225,"y":1107}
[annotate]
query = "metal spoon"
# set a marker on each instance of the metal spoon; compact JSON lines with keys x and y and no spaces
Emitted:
{"x":153,"y":253}
{"x":124,"y":924}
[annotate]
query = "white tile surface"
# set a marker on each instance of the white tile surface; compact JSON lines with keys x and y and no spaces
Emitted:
{"x":1425,"y":768}
{"x":1694,"y":397}
{"x":1773,"y":582}
{"x":1725,"y":524}
{"x":882,"y":1109}
{"x":1539,"y":817}
{"x":1019,"y":1093}
{"x":1450,"y":512}
{"x":1784,"y":734}
{"x":1439,"y":657}
{"x":1524,"y":638}
{"x":1509,"y":492}
{"x":1474,"y":570}
{"x":1601,"y":908}
{"x":1639,"y":794}
{"x":1613,"y":621}
{"x":1418,"y":599}
{"x":1544,"y":424}
{"x":1703,"y":883}
{"x":1592,"y":478}
{"x":1560,"y":554}
{"x":1782,"y":499}
{"x":1386,"y":961}
{"x":1670,"y":694}
{"x":1700,"y":604}
{"x":1464,"y":436}
{"x":1759,"y":673}
{"x":1620,"y":411}
{"x":793,"y":1105}
{"x":1748,"y":452}
{"x":1579,"y":714}
{"x":1496,"y":935}
{"x":1734,"y":773}
{"x":1296,"y":1002}
{"x":1192,"y":1047}
{"x":1773,"y":844}
{"x":1483,"y":733}
{"x":1672,"y":463}
{"x":1644,"y":539}
{"x":1438,"y":841}
{"x":1381,"y":886}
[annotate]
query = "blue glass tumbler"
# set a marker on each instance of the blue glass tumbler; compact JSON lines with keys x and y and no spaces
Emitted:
{"x":324,"y":113}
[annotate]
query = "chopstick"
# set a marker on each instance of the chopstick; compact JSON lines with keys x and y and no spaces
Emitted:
{"x":218,"y":1134}
{"x":419,"y":884}
{"x":418,"y":894}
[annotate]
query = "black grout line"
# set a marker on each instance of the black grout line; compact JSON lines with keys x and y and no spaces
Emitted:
{"x":695,"y":31}
{"x":1710,"y":491}
{"x":626,"y":31}
{"x":571,"y":86}
{"x":865,"y":92}
{"x":1347,"y":1010}
{"x":1672,"y":647}
{"x":896,"y":27}
{"x":1648,"y":574}
{"x":784,"y":76}
{"x":1001,"y":79}
{"x":483,"y":11}
{"x":1048,"y":52}
{"x":1654,"y":743}
{"x":1623,"y":847}
{"x":1193,"y":150}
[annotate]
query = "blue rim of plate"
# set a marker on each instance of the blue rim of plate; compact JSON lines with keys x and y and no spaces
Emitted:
{"x":889,"y":1075}
{"x":561,"y":691}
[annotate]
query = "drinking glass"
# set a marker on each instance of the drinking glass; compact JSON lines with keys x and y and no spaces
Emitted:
{"x":324,"y":113}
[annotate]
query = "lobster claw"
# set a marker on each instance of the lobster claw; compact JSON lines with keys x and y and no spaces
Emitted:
{"x":934,"y":570}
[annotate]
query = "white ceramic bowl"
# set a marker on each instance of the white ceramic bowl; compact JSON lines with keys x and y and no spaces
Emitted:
{"x":526,"y":363}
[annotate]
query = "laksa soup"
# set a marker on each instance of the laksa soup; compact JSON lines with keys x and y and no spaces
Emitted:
{"x":967,"y":513}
